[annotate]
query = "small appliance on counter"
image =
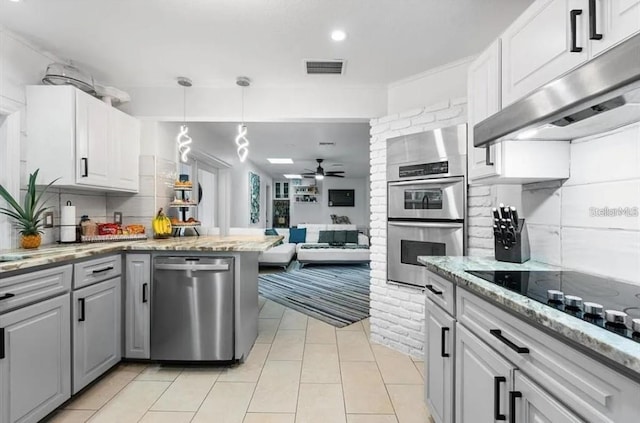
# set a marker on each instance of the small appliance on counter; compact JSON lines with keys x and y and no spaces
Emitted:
{"x":511,"y":240}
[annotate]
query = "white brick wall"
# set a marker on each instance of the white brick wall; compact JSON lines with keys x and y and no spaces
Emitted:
{"x":397,"y":312}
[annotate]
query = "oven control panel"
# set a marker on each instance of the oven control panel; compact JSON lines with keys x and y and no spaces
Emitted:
{"x":424,"y":169}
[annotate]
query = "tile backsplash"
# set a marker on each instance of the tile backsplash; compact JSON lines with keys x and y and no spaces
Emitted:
{"x":572,"y":222}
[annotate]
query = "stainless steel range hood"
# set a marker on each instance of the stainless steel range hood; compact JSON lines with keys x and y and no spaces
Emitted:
{"x":600,"y":95}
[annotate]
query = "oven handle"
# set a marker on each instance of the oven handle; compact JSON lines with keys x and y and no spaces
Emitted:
{"x":434,"y":181}
{"x":426,"y":225}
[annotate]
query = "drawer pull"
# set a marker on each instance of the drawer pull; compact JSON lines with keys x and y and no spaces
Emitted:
{"x":432,"y":289}
{"x":106,"y":269}
{"x":81,"y":314}
{"x":498,"y":334}
{"x":144,"y":292}
{"x":6,"y":296}
{"x":443,"y":339}
{"x":574,"y":24}
{"x":512,"y":405}
{"x":593,"y":33}
{"x":2,"y":352}
{"x":496,"y":397}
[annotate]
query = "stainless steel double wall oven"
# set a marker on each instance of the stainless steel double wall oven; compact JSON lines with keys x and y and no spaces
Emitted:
{"x":426,"y":174}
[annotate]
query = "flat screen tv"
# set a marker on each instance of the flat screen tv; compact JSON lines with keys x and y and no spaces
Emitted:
{"x":341,"y":198}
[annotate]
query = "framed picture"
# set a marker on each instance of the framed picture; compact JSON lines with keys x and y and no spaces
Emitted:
{"x":254,"y":198}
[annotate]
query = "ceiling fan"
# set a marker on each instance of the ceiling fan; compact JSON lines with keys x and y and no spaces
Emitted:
{"x":320,"y":173}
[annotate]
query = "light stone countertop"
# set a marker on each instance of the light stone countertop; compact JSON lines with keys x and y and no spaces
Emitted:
{"x":619,"y":349}
{"x":19,"y":259}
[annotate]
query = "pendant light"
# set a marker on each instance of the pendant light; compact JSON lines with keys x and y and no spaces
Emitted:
{"x":183,"y":139}
{"x":241,"y":139}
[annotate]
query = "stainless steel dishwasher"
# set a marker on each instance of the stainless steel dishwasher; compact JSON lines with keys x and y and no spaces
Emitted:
{"x":192,"y":309}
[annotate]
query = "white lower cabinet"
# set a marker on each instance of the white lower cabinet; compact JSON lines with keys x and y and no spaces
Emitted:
{"x":483,"y":380}
{"x":35,"y":360}
{"x":439,"y":362}
{"x":137,"y":318}
{"x":97,"y":331}
{"x":529,"y":403}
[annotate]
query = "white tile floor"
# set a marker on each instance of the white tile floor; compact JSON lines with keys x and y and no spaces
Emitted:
{"x":300,"y":370}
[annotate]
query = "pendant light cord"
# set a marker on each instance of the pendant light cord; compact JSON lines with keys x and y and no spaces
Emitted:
{"x":184,"y":105}
{"x":242,"y":114}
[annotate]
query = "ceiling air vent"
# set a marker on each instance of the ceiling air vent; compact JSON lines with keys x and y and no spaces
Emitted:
{"x":324,"y":67}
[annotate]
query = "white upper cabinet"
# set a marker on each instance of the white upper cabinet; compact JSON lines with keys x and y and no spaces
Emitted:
{"x":510,"y":161}
{"x":547,"y":40}
{"x":483,"y":100}
{"x":81,"y":140}
{"x":124,"y":139}
{"x":92,"y":141}
{"x":554,"y":36}
{"x":615,"y":20}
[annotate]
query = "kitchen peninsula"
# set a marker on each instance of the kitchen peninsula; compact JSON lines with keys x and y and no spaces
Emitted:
{"x":69,"y":313}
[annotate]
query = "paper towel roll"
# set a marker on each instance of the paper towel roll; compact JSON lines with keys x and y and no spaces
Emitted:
{"x":68,"y":223}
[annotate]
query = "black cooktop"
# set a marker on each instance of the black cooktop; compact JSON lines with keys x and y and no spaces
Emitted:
{"x":565,"y":286}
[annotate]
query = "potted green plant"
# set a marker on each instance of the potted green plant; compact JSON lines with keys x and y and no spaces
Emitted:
{"x":28,"y":218}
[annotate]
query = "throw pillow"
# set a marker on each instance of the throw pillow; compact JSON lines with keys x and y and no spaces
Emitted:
{"x":339,"y":237}
{"x":297,"y":235}
{"x":352,"y":237}
{"x":326,"y":237}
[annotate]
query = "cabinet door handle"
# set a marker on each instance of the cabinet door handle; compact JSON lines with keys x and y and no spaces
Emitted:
{"x":487,"y":157}
{"x":6,"y":296}
{"x":432,"y":289}
{"x":443,"y":339}
{"x":144,"y":292}
{"x":85,"y":167}
{"x":81,"y":316}
{"x":593,"y":33}
{"x":496,"y":397}
{"x":2,"y":351}
{"x":574,"y":28}
{"x":105,"y":269}
{"x":498,"y":334}
{"x":513,"y":395}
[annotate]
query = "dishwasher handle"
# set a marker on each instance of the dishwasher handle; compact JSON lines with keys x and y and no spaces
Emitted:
{"x":194,"y":267}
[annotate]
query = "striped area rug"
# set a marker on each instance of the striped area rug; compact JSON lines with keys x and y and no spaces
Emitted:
{"x":336,"y":294}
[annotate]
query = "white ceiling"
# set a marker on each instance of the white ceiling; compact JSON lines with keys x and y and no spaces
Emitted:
{"x":129,"y":43}
{"x":298,"y":141}
{"x":147,"y":43}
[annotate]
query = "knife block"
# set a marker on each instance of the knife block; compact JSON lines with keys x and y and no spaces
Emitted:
{"x":518,"y":252}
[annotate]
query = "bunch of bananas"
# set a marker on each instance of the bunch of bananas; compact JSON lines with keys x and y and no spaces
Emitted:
{"x":161,"y":225}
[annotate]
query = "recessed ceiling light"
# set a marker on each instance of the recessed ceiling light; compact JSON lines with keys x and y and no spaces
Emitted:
{"x":15,"y":1}
{"x":280,"y":161}
{"x":338,"y":35}
{"x":292,"y":176}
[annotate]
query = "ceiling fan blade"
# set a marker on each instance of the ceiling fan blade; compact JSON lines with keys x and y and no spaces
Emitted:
{"x":334,"y":172}
{"x":335,"y":176}
{"x":308,"y":176}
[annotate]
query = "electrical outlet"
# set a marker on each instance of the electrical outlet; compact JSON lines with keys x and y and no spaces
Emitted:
{"x":48,"y":220}
{"x":117,"y":218}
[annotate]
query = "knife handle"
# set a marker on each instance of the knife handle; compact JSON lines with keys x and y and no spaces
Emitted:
{"x":514,"y":217}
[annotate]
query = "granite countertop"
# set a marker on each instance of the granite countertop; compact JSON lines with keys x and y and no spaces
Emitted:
{"x":623,"y":351}
{"x":11,"y":260}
